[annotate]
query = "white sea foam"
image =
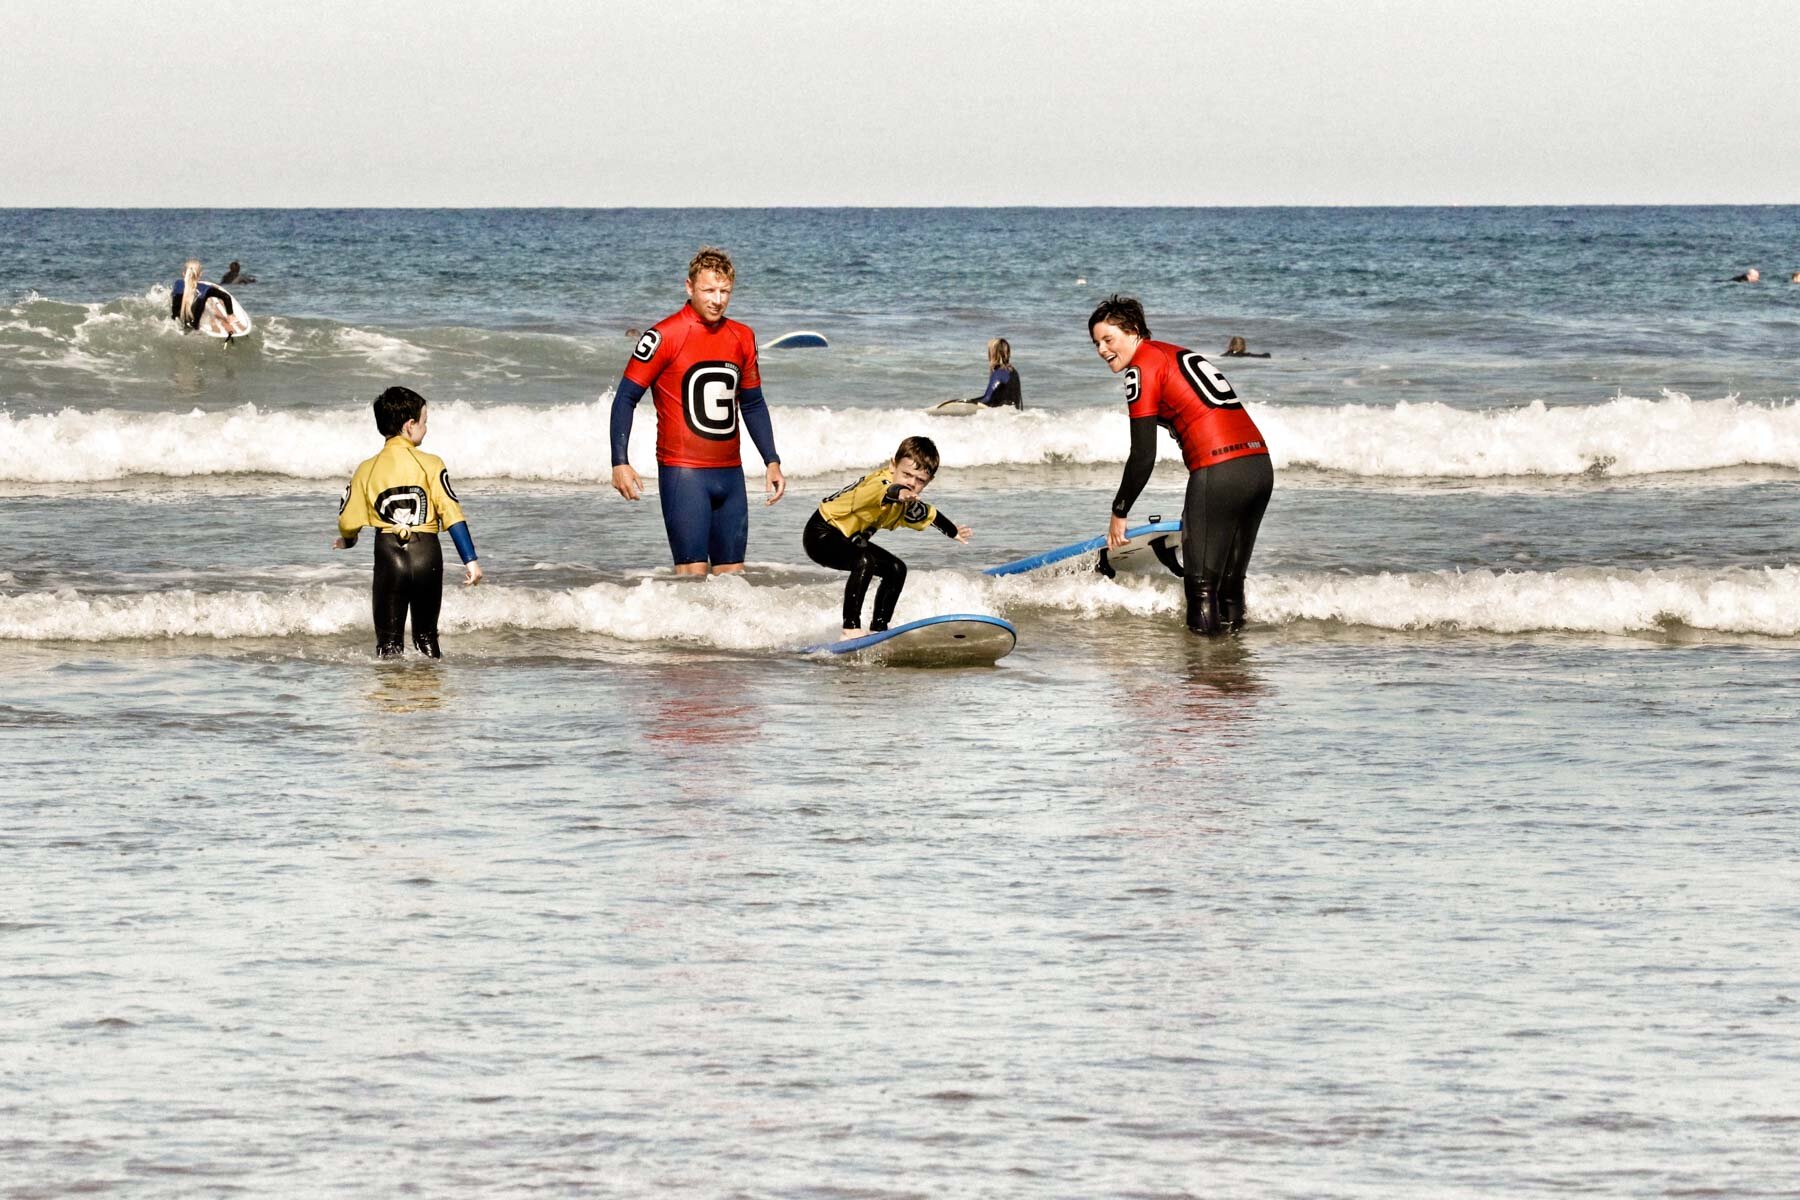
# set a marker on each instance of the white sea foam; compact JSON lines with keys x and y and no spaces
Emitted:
{"x":1624,"y":437}
{"x":736,"y":614}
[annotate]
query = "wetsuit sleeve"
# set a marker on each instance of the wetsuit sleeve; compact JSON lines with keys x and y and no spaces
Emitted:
{"x":224,"y":298}
{"x":1138,"y":466}
{"x":353,"y":509}
{"x":625,"y":398}
{"x":917,"y":514}
{"x":465,"y":545}
{"x":995,"y":379}
{"x":443,"y":497}
{"x":755,"y":412}
{"x":944,"y":525}
{"x":175,"y":301}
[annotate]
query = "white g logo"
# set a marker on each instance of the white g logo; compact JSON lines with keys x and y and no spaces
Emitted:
{"x":709,"y":400}
{"x":646,"y":345}
{"x":403,"y":506}
{"x":1131,"y":385}
{"x":1207,"y":382}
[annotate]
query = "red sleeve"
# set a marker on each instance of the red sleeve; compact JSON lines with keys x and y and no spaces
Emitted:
{"x":1143,"y":390}
{"x":752,"y":376}
{"x":651,"y":354}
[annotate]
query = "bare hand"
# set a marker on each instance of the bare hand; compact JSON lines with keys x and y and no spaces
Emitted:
{"x":777,"y":484}
{"x":471,"y":574}
{"x":626,"y":482}
{"x":962,"y":534}
{"x":1115,"y":533}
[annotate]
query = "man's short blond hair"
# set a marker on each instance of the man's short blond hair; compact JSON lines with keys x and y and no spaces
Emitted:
{"x":711,"y":258}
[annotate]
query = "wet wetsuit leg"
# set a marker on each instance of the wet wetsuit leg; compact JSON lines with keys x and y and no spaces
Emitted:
{"x":826,"y":545}
{"x":705,"y":513}
{"x":1224,"y":510}
{"x":409,"y":576}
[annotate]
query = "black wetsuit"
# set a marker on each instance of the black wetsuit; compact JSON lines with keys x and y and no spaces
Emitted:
{"x":409,"y":575}
{"x":828,"y":547}
{"x":1219,"y":522}
{"x":1003,"y":389}
{"x":202,"y":294}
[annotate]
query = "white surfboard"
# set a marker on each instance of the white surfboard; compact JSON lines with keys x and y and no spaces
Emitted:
{"x":799,"y":339}
{"x":952,"y":640}
{"x":215,"y":322}
{"x":955,"y":408}
{"x":1153,"y":547}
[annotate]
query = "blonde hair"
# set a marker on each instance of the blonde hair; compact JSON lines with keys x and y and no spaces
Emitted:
{"x":190,"y":284}
{"x":999,"y":353}
{"x":1236,"y":346}
{"x":711,"y":258}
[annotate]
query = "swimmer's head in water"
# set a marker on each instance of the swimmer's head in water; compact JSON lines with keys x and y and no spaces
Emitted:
{"x":1123,"y":313}
{"x":999,"y":353}
{"x":1236,"y":346}
{"x":923,"y":451}
{"x":396,"y":408}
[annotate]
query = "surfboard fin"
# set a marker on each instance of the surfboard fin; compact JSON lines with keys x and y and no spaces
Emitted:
{"x":1165,"y":554}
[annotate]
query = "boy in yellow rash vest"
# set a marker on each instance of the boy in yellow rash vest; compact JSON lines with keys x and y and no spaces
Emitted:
{"x":405,"y":494}
{"x":837,"y":535}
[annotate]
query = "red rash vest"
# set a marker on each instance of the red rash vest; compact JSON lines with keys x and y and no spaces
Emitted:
{"x":1190,"y":398}
{"x":695,"y":371}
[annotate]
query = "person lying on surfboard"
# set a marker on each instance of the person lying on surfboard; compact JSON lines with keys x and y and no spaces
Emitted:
{"x":188,"y":297}
{"x":837,"y":535}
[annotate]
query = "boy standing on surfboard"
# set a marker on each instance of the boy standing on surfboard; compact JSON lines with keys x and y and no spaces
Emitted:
{"x":702,"y":369}
{"x":837,"y":535}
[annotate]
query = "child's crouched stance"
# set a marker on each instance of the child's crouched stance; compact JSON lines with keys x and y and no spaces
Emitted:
{"x":837,"y":535}
{"x":405,"y":494}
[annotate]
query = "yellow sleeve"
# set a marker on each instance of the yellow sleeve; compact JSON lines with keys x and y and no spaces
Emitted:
{"x":443,"y":496}
{"x":353,"y":509}
{"x":917,"y":514}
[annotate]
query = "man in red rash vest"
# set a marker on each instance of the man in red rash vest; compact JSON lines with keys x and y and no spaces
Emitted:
{"x":702,"y":371}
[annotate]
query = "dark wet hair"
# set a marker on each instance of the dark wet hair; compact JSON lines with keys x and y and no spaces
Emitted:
{"x":921,"y":450}
{"x":1121,"y":311}
{"x":395,"y":407}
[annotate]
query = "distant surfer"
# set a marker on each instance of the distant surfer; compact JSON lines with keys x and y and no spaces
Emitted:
{"x":235,"y":274}
{"x":188,"y":297}
{"x":1230,"y":476}
{"x":1751,"y":276}
{"x":1003,"y":378}
{"x":837,"y":535}
{"x":702,"y":369}
{"x":405,"y":494}
{"x":1237,"y":348}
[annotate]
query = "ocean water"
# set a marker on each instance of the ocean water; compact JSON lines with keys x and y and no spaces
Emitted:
{"x":1467,"y":870}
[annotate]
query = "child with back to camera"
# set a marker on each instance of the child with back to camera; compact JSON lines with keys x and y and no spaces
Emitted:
{"x":405,"y":494}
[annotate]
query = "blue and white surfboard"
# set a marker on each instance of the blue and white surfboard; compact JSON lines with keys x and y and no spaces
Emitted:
{"x":952,"y":640}
{"x":800,"y":339}
{"x":1152,"y":547}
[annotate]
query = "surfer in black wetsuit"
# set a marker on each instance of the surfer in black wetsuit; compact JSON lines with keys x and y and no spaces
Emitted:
{"x":1003,"y":378}
{"x":1751,"y":276}
{"x":188,"y":296}
{"x":837,"y":534}
{"x":235,"y":274}
{"x":1237,"y":348}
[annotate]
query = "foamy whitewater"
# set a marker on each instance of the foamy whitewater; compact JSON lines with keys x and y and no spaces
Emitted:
{"x":1466,"y":870}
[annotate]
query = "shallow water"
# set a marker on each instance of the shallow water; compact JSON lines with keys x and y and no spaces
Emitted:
{"x":1465,"y":871}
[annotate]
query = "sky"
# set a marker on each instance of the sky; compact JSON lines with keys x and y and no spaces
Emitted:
{"x":929,"y":102}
